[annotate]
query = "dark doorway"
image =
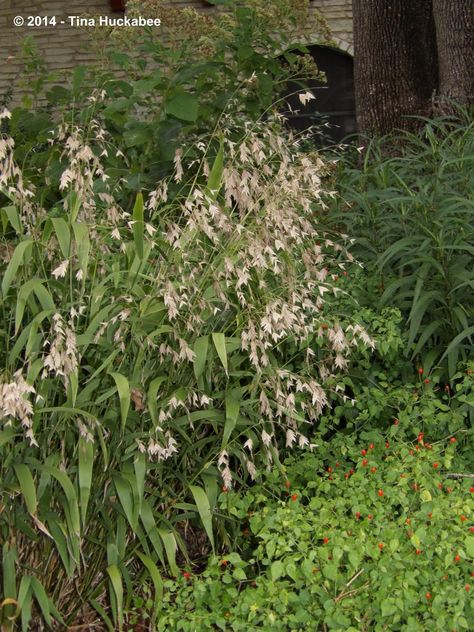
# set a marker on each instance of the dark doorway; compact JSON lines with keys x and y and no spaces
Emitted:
{"x":334,"y":104}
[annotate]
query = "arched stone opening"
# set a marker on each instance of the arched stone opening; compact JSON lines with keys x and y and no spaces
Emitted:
{"x":334,"y":105}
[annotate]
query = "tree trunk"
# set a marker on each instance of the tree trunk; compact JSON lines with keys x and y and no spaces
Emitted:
{"x":395,"y":63}
{"x":454,"y":21}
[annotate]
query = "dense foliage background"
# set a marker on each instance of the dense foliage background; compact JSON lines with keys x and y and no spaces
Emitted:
{"x":236,"y":385}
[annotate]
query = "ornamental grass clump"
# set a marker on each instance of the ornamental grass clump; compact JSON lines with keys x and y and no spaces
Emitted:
{"x":152,"y":354}
{"x":409,"y":207}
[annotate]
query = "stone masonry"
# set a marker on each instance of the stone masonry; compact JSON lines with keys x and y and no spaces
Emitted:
{"x":63,"y":46}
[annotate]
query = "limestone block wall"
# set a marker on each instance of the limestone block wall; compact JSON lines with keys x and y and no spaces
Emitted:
{"x":63,"y":46}
{"x":338,"y":13}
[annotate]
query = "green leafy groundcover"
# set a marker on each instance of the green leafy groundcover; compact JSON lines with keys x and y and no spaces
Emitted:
{"x":366,"y":533}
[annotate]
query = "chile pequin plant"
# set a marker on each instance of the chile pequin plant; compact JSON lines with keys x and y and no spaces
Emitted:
{"x":152,"y":355}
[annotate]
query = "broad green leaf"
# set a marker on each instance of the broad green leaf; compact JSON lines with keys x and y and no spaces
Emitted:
{"x":151,"y":397}
{"x":427,"y":332}
{"x":457,"y":340}
{"x":116,"y":583}
{"x":41,"y":598}
{"x":239,"y":574}
{"x":169,"y":542}
{"x":27,"y":485}
{"x":12,"y":215}
{"x":200,"y":349}
{"x":25,"y":601}
{"x":425,"y":496}
{"x":63,"y":234}
{"x":148,"y":521}
{"x":18,"y":256}
{"x":123,"y":389}
{"x":330,"y":571}
{"x":102,"y":614}
{"x":415,"y":540}
{"x":211,"y":487}
{"x":204,"y":508}
{"x":139,"y":465}
{"x":155,"y":577}
{"x":232,"y":407}
{"x":219,"y":344}
{"x":8,"y":571}
{"x":388,"y":607}
{"x":69,"y":410}
{"x":355,"y":557}
{"x":138,"y":225}
{"x":469,"y":546}
{"x":418,"y":311}
{"x":183,"y":105}
{"x":86,"y":464}
{"x":124,"y":492}
{"x":215,"y":177}
{"x":43,"y":295}
{"x":59,"y":535}
{"x":6,"y":436}
{"x":72,"y":506}
{"x":137,"y":134}
{"x":81,"y":235}
{"x":106,"y":363}
{"x":276,"y":570}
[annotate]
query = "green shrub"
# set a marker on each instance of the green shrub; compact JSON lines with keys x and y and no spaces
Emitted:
{"x":368,"y":532}
{"x":154,"y":91}
{"x":410,"y":212}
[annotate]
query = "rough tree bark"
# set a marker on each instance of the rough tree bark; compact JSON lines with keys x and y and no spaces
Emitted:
{"x":395,"y":69}
{"x":405,"y":53}
{"x":454,"y":21}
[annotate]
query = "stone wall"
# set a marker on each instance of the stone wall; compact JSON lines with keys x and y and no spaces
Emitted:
{"x":63,"y":46}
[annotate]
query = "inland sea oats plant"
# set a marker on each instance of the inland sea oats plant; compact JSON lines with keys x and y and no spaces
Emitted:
{"x":168,"y":323}
{"x":150,"y":357}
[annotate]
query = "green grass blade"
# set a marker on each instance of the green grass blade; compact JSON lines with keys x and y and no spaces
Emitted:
{"x":21,"y":253}
{"x":140,"y":472}
{"x":25,"y":602}
{"x":151,"y":530}
{"x":10,"y":214}
{"x":63,"y":234}
{"x":86,"y":465}
{"x":457,"y":340}
{"x":117,"y":587}
{"x":27,"y":485}
{"x":219,"y":344}
{"x":204,"y":508}
{"x":102,"y":614}
{"x":124,"y":493}
{"x":200,"y":349}
{"x":215,"y":177}
{"x":69,"y":492}
{"x":81,"y":234}
{"x":6,"y":436}
{"x":42,"y":599}
{"x":232,"y":408}
{"x":151,"y":397}
{"x":138,"y":225}
{"x":123,"y":389}
{"x":156,"y":579}
{"x":170,"y":545}
{"x":9,"y":572}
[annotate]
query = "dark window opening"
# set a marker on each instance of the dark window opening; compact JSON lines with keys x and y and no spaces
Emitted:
{"x":334,"y":105}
